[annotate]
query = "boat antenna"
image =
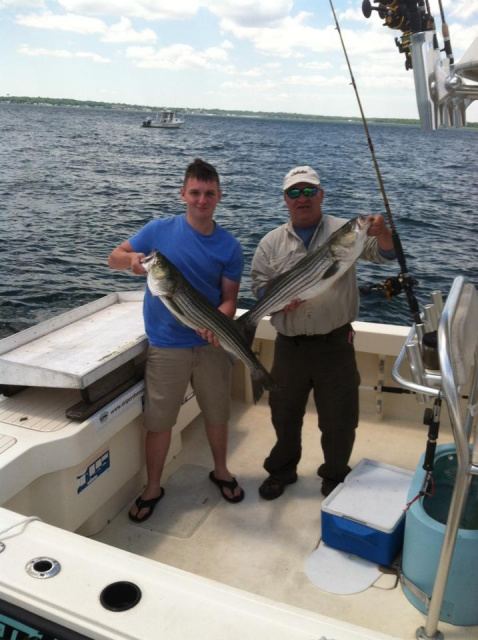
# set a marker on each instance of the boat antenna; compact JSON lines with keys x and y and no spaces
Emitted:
{"x":403,"y":281}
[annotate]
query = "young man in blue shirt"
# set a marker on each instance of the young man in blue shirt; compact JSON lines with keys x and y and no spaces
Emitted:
{"x":211,"y":259}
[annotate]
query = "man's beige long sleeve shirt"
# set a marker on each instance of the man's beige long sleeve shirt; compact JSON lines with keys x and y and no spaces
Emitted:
{"x":280,"y":250}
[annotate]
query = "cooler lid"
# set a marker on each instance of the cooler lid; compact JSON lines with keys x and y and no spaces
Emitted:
{"x":374,"y":494}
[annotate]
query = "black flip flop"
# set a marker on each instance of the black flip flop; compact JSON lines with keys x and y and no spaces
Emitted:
{"x":146,"y":504}
{"x":227,"y":484}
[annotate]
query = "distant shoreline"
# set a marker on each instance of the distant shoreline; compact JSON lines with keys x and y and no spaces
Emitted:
{"x":66,"y":102}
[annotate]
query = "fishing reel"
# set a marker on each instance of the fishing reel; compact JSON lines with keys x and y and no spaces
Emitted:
{"x":406,"y":15}
{"x":392,"y":11}
{"x":391,"y":286}
{"x":403,"y":44}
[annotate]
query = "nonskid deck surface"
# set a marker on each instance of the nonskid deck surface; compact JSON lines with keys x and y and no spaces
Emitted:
{"x":261,"y":546}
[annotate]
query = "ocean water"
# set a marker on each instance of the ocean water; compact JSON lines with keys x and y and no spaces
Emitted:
{"x":76,"y":182}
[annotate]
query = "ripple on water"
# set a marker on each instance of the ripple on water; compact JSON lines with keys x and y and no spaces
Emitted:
{"x":77,"y":182}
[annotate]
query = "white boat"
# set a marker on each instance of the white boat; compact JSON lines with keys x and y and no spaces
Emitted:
{"x":165,"y":119}
{"x":71,"y":463}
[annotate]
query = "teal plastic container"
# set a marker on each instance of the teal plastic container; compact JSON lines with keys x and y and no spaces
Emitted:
{"x":425,"y":525}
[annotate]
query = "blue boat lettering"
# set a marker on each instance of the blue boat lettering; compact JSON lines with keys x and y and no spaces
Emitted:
{"x":93,"y":471}
{"x":14,"y":630}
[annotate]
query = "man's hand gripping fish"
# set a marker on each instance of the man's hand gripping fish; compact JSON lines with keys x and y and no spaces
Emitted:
{"x":311,"y":276}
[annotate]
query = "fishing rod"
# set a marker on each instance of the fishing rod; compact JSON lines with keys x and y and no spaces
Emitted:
{"x":402,"y":282}
{"x":446,"y":34}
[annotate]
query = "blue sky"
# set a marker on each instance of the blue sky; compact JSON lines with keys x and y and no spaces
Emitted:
{"x":259,"y":55}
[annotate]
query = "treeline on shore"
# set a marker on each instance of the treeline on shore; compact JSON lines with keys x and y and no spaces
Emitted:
{"x":67,"y":102}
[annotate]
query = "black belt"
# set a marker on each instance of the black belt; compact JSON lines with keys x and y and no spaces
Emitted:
{"x":316,"y":337}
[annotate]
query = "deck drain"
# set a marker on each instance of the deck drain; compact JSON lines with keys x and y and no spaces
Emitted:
{"x":120,"y":596}
{"x":43,"y":568}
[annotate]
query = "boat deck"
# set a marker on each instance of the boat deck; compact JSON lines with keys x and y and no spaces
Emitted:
{"x":262,"y":547}
{"x":217,"y":563}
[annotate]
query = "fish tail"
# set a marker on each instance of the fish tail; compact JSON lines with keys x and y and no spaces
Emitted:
{"x":262,"y":380}
{"x":247,"y":327}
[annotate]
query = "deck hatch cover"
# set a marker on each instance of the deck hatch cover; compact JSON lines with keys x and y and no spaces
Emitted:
{"x":38,"y":409}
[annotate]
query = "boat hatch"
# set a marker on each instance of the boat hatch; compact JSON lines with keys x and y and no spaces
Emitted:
{"x":80,"y":350}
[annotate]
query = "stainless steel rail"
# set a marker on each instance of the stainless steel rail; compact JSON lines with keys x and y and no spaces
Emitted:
{"x":442,"y":93}
{"x":466,"y":467}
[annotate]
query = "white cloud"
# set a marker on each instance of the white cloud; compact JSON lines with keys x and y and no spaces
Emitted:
{"x":124,"y":32}
{"x":176,"y":57}
{"x":462,"y":9}
{"x":286,"y":38}
{"x":252,"y":73}
{"x":461,"y":37}
{"x":244,"y":85}
{"x":390,"y":64}
{"x":92,"y":56}
{"x":316,"y":81}
{"x":354,"y":15}
{"x":214,"y":53}
{"x":60,"y":53}
{"x":67,"y":22}
{"x":394,"y":84}
{"x":22,"y":4}
{"x":120,"y":32}
{"x":292,"y":37}
{"x":251,"y":13}
{"x":145,"y":9}
{"x":315,"y":66}
{"x":54,"y":53}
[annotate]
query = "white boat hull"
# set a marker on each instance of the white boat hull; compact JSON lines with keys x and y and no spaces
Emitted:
{"x":239,"y":570}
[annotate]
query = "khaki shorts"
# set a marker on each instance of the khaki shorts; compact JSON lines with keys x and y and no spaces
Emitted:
{"x":168,"y":372}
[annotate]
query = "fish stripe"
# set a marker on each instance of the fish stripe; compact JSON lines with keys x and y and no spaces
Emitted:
{"x":193,"y":309}
{"x":311,"y":275}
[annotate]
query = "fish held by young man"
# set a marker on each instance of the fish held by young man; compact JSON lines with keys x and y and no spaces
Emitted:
{"x":311,"y":276}
{"x":192,"y":309}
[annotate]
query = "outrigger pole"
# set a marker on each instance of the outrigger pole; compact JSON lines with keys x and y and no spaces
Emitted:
{"x":403,"y":281}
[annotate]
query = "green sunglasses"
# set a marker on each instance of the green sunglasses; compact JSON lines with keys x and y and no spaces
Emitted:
{"x":307,"y":191}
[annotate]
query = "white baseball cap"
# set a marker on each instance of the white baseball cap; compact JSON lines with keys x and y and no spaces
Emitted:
{"x":301,"y":174}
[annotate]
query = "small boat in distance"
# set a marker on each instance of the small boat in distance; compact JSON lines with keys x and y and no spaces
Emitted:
{"x":166,"y":119}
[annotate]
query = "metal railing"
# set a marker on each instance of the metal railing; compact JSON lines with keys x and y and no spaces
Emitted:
{"x":445,"y":384}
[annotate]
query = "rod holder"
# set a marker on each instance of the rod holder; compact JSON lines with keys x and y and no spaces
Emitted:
{"x":431,"y":317}
{"x":437,"y":301}
{"x":420,"y":331}
{"x":417,"y":369}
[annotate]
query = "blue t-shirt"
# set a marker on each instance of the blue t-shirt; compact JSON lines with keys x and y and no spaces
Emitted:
{"x":202,"y":260}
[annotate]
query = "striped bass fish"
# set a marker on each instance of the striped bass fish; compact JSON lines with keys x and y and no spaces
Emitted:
{"x":192,"y":309}
{"x":311,"y":276}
